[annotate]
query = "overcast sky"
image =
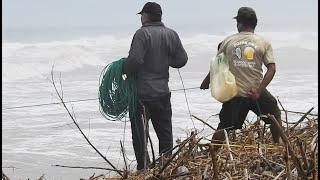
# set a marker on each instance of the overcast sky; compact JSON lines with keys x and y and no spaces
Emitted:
{"x":57,"y":13}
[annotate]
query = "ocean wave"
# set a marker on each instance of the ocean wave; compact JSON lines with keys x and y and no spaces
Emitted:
{"x":28,"y":60}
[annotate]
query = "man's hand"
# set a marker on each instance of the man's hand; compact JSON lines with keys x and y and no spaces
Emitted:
{"x":204,"y":85}
{"x":254,"y":93}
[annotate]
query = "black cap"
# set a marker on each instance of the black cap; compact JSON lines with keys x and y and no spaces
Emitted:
{"x":246,"y":13}
{"x":151,"y":8}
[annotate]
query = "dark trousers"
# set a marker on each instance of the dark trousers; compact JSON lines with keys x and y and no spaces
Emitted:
{"x":160,"y":113}
{"x":234,"y":111}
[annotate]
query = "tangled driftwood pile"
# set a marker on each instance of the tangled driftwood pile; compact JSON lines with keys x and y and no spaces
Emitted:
{"x":247,"y":154}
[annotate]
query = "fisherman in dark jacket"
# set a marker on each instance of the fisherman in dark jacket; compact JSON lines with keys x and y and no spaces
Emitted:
{"x":154,"y":49}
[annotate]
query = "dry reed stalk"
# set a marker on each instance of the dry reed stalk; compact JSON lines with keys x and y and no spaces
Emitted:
{"x":291,"y":151}
{"x":214,"y":162}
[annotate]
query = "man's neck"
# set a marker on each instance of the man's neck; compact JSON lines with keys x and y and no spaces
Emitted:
{"x":247,"y":30}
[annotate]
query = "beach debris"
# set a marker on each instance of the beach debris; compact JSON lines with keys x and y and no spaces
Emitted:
{"x":247,"y":156}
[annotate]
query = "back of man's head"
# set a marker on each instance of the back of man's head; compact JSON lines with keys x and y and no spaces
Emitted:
{"x":247,"y":16}
{"x":154,"y":10}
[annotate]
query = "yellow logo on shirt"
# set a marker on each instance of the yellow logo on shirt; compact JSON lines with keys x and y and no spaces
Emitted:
{"x":248,"y":52}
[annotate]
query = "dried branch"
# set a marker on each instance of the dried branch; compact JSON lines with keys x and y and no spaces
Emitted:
{"x":204,"y":122}
{"x":302,"y":118}
{"x":176,"y":153}
{"x":4,"y":177}
{"x":74,"y":121}
{"x":124,"y":159}
{"x":286,"y":114}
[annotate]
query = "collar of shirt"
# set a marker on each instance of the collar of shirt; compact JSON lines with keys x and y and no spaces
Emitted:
{"x":245,"y":32}
{"x":153,"y":24}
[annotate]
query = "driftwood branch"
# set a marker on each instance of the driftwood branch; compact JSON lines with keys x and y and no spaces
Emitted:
{"x":302,"y":118}
{"x":77,"y":125}
{"x":176,"y":153}
{"x":4,"y":177}
{"x":198,"y":161}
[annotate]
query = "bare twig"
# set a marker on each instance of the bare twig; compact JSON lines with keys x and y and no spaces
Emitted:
{"x":95,"y":177}
{"x":204,"y":122}
{"x":180,"y":145}
{"x":41,"y":178}
{"x":124,"y":159}
{"x":286,"y":114}
{"x":186,"y":154}
{"x":302,"y":118}
{"x":74,"y":121}
{"x":4,"y":177}
{"x":176,"y":153}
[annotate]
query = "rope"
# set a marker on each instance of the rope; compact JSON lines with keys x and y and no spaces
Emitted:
{"x":46,"y":104}
{"x":79,"y":100}
{"x":185,"y":95}
{"x":117,"y":93}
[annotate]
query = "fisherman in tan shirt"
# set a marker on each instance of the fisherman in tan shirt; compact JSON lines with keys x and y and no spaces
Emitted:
{"x":246,"y":53}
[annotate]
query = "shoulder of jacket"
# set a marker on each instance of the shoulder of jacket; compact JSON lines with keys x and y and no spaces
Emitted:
{"x":140,"y":33}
